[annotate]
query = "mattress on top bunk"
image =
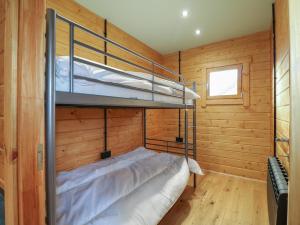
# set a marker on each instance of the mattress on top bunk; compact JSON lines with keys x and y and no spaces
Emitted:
{"x":162,"y":86}
{"x":123,"y":188}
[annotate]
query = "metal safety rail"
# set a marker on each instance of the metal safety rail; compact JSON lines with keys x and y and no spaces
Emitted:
{"x":154,"y":65}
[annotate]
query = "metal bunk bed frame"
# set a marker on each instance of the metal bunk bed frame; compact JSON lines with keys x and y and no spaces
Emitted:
{"x":55,"y":98}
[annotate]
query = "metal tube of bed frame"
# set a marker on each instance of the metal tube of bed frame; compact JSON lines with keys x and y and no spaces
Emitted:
{"x":159,"y":140}
{"x":169,"y":151}
{"x":110,"y":55}
{"x":194,"y":132}
{"x":179,"y":111}
{"x":105,"y":130}
{"x":186,"y":133}
{"x":105,"y":110}
{"x":122,"y":47}
{"x":72,"y":42}
{"x":179,"y":124}
{"x":105,"y":43}
{"x":71,"y":71}
{"x":168,"y":146}
{"x":152,"y":83}
{"x":50,"y":118}
{"x":145,"y":127}
{"x":121,"y":60}
{"x":116,"y":70}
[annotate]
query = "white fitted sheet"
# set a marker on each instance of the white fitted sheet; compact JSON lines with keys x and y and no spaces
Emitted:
{"x":124,"y":189}
{"x":89,"y":87}
{"x":148,"y":204}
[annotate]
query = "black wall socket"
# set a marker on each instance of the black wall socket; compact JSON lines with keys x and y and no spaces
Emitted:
{"x":179,"y":139}
{"x":105,"y":155}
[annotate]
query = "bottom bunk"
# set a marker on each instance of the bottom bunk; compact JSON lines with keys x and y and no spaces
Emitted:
{"x":138,"y":187}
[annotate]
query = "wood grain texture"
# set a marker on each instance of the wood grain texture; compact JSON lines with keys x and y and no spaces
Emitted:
{"x":230,"y":138}
{"x":8,"y":109}
{"x":31,"y":69}
{"x":243,"y":62}
{"x":221,"y":200}
{"x":80,"y":131}
{"x":294,"y":179}
{"x":82,"y":16}
{"x":80,"y":137}
{"x":282,"y":81}
{"x":132,"y":43}
{"x":2,"y":28}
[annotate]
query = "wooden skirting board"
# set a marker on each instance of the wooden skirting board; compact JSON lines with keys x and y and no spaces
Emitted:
{"x":235,"y":176}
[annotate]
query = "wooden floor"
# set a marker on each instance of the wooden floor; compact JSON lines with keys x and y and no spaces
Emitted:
{"x":221,"y":200}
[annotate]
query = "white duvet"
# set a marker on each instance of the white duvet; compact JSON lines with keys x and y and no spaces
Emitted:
{"x":163,"y":86}
{"x":137,"y":188}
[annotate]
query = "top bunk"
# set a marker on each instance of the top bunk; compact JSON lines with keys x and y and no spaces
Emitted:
{"x":73,"y":80}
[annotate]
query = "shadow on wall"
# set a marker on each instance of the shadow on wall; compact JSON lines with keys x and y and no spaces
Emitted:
{"x":2,"y":221}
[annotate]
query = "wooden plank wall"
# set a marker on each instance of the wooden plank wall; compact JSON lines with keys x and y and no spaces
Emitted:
{"x":80,"y":131}
{"x":76,"y":13}
{"x":282,"y":79}
{"x":2,"y":21}
{"x":80,"y":137}
{"x":116,"y":34}
{"x":231,"y":138}
{"x":8,"y":104}
{"x":294,"y":179}
{"x":161,"y":123}
{"x":31,"y":133}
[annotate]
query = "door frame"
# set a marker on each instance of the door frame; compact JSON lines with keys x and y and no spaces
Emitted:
{"x":294,"y":183}
{"x":10,"y":111}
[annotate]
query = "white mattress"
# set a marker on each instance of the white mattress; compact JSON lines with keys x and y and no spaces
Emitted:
{"x":163,"y":86}
{"x":137,"y":188}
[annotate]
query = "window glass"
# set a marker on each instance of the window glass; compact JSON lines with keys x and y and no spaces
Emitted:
{"x":223,"y":82}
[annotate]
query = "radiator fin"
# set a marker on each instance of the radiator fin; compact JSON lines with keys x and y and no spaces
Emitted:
{"x":277,"y":192}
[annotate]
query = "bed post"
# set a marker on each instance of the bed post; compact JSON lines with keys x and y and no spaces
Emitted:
{"x":105,"y":109}
{"x":145,"y":127}
{"x":186,"y":133}
{"x":71,"y":61}
{"x":105,"y":43}
{"x":50,"y":118}
{"x":179,"y":138}
{"x":194,"y":132}
{"x":105,"y":129}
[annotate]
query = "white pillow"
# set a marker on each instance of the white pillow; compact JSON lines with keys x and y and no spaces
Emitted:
{"x":63,"y":65}
{"x":194,"y":167}
{"x":190,"y":94}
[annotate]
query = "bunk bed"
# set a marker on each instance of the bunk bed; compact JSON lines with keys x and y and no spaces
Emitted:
{"x":153,"y":177}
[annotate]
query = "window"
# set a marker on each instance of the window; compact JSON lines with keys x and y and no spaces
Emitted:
{"x":224,"y":82}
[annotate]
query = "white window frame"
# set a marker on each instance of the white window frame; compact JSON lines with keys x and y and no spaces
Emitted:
{"x":239,"y":68}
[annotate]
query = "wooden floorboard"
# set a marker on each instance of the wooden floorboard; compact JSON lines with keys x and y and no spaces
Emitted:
{"x":221,"y":200}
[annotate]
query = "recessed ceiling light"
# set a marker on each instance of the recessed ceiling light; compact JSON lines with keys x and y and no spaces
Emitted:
{"x":184,"y":13}
{"x":197,"y":31}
